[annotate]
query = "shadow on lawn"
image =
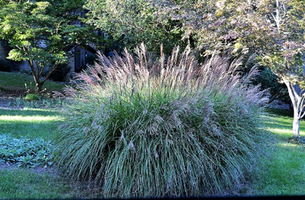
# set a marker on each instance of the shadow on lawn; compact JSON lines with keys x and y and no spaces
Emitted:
{"x":28,"y":112}
{"x":277,"y":123}
{"x":281,"y":112}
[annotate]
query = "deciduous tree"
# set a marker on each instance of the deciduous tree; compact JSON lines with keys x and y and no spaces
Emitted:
{"x":134,"y":21}
{"x":43,"y":32}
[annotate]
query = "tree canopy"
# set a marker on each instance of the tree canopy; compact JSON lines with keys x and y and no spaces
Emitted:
{"x":135,"y":21}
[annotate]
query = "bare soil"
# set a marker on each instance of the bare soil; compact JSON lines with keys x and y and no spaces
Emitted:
{"x":39,"y":170}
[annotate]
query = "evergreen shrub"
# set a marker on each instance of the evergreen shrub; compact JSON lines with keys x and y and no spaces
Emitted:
{"x":137,"y":126}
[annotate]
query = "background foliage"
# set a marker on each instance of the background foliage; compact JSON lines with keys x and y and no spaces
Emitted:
{"x":132,"y":22}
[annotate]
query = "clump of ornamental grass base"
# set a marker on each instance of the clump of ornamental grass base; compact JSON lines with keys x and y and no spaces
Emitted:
{"x":138,"y":126}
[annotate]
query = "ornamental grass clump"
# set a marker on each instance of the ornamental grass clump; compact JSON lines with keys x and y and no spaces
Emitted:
{"x":140,"y":126}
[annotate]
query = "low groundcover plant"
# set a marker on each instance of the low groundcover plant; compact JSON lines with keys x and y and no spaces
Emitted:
{"x":141,"y":126}
{"x":25,"y":152}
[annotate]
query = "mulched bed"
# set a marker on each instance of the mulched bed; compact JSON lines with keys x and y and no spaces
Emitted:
{"x":38,"y":169}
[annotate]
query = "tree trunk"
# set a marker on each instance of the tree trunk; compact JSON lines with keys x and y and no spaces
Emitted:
{"x":296,"y":122}
{"x":39,"y":87}
{"x":37,"y":74}
{"x":297,"y":103}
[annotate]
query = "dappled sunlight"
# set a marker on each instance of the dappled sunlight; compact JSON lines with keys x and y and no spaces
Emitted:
{"x":280,"y":130}
{"x":286,"y":144}
{"x":7,"y":118}
{"x":282,"y":125}
{"x":39,"y":109}
{"x":30,"y":122}
{"x":28,"y":115}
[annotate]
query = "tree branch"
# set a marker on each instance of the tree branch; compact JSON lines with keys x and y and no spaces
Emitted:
{"x":291,"y":92}
{"x":50,"y":72}
{"x":31,"y":63}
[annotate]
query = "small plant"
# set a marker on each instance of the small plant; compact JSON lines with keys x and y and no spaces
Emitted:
{"x":25,"y":152}
{"x":139,"y":127}
{"x":19,"y":102}
{"x":36,"y":101}
{"x":32,"y":97}
{"x":29,"y":88}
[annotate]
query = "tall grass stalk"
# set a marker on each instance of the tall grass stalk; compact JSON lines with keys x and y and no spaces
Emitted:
{"x":140,"y":126}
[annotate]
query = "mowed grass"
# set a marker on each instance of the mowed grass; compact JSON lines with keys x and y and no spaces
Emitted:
{"x":10,"y":81}
{"x":30,"y":122}
{"x":283,"y":173}
{"x":16,"y":183}
{"x":284,"y":170}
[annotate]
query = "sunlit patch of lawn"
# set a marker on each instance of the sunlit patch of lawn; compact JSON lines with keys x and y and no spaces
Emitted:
{"x":37,"y":118}
{"x":29,"y":122}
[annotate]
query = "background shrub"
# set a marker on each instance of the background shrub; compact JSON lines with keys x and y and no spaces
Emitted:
{"x":6,"y":65}
{"x":268,"y":80}
{"x":140,"y":127}
{"x":60,"y":73}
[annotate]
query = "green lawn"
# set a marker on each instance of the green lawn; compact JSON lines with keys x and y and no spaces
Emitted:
{"x":18,"y":183}
{"x":284,"y":171}
{"x":16,"y":82}
{"x":282,"y":174}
